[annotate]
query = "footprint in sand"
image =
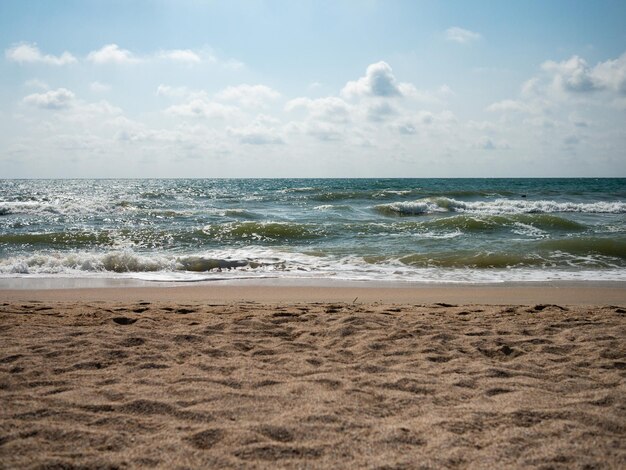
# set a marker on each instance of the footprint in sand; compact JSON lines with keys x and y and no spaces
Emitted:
{"x":276,"y":433}
{"x":206,"y":439}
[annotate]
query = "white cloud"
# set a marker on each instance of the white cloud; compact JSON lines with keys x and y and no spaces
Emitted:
{"x":508,"y":106}
{"x":460,"y":35}
{"x":36,"y":83}
{"x":486,"y":143}
{"x":232,"y":64}
{"x":248,"y":95}
{"x":385,"y":108}
{"x":327,"y":109}
{"x":98,"y":87}
{"x":172,"y":92}
{"x":380,"y":111}
{"x":26,"y":53}
{"x":30,"y":54}
{"x":574,"y":75}
{"x":406,"y":128}
{"x":111,"y":53}
{"x":201,"y":107}
{"x":612,"y":74}
{"x":54,"y":99}
{"x":321,"y":131}
{"x":96,"y":110}
{"x":426,"y":117}
{"x":564,"y":87}
{"x":180,"y":55}
{"x":132,"y":131}
{"x":256,"y":135}
{"x":378,"y":81}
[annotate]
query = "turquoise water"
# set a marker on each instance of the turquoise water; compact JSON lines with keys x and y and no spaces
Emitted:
{"x":439,"y":230}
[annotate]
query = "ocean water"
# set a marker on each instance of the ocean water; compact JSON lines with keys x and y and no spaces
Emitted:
{"x":413,"y":230}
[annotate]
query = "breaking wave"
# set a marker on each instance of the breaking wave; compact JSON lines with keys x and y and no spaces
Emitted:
{"x":495,"y":207}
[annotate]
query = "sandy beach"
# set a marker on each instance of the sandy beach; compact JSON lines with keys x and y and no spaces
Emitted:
{"x":277,"y":377}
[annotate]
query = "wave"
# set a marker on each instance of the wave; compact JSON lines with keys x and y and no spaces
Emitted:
{"x":262,"y":231}
{"x":561,"y":254}
{"x":61,"y":239}
{"x":488,"y":223}
{"x":588,"y":246}
{"x":457,"y":266}
{"x":333,"y":207}
{"x":304,"y":189}
{"x":239,"y":213}
{"x":472,"y":260}
{"x":128,"y":262}
{"x":373,"y":194}
{"x":425,"y":206}
{"x":409,"y":267}
{"x":67,"y":207}
{"x":495,"y":207}
{"x":250,"y":231}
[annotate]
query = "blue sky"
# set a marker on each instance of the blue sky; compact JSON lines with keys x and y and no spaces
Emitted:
{"x":312,"y":88}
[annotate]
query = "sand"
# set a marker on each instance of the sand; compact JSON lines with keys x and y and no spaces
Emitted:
{"x":130,"y":380}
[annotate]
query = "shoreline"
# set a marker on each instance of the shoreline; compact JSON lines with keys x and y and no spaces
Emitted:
{"x":273,"y":291}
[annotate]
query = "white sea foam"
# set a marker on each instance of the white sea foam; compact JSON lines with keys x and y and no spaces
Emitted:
{"x":257,"y":262}
{"x":57,"y":207}
{"x":422,"y":206}
{"x":499,"y":206}
{"x":528,"y":230}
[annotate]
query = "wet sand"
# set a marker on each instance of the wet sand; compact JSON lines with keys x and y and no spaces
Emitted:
{"x":172,"y":378}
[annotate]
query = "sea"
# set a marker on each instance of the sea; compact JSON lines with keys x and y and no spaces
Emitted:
{"x":463,"y":231}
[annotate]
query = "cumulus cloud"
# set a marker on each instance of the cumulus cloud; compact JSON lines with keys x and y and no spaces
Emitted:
{"x":171,"y":92}
{"x":98,"y":87}
{"x":36,"y":83}
{"x":572,"y":75}
{"x":406,"y":128}
{"x":111,"y":54}
{"x":201,"y":107}
{"x":380,"y":111}
{"x":410,"y":123}
{"x":319,"y":130}
{"x":328,"y":109}
{"x":486,"y":143}
{"x":233,"y":64}
{"x":180,"y":55}
{"x":248,"y":95}
{"x":612,"y":74}
{"x":30,"y":54}
{"x":256,"y":135}
{"x":135,"y":132}
{"x":54,"y":99}
{"x":560,"y":87}
{"x":508,"y":106}
{"x":575,"y":75}
{"x":378,"y":81}
{"x":460,"y":35}
{"x":373,"y":108}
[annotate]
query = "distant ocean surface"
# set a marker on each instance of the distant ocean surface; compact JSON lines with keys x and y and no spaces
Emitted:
{"x":416,"y":230}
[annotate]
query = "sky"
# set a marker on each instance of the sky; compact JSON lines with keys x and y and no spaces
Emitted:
{"x":312,"y":88}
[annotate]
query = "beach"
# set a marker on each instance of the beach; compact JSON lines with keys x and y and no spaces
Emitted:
{"x":312,"y":235}
{"x":262,"y":376}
